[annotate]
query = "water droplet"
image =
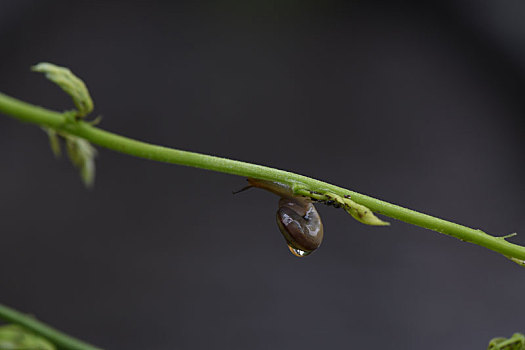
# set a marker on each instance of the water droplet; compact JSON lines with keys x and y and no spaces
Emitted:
{"x":298,"y":252}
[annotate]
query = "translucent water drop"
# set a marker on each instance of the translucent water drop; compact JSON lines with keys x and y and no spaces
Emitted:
{"x":298,"y":252}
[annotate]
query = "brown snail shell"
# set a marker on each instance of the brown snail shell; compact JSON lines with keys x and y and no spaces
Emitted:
{"x":297,"y":218}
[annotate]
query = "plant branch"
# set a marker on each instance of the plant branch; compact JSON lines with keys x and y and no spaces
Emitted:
{"x":59,"y":339}
{"x":63,"y":122}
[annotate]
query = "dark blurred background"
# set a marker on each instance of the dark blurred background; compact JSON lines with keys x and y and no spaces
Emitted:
{"x":417,"y":103}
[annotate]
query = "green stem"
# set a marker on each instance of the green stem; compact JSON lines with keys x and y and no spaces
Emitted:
{"x":60,"y":121}
{"x":59,"y":339}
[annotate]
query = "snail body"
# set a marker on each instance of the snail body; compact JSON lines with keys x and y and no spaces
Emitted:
{"x":297,"y":218}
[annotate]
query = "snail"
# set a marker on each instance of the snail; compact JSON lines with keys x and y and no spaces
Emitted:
{"x":297,"y":218}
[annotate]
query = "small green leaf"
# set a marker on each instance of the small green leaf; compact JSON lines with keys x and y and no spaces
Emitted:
{"x":516,"y":342}
{"x":358,"y":211}
{"x":510,"y":235}
{"x":362,"y":213}
{"x":493,"y":344}
{"x":82,"y":154}
{"x":516,"y":260}
{"x":14,"y":337}
{"x":54,"y":141}
{"x":70,"y":83}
